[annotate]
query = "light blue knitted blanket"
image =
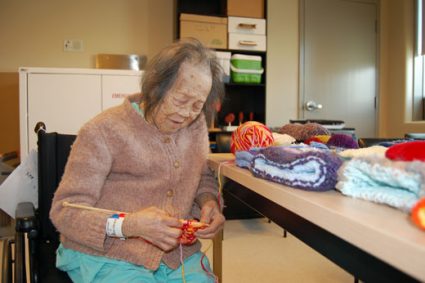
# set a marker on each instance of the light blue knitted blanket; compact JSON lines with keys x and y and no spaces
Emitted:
{"x":396,"y":183}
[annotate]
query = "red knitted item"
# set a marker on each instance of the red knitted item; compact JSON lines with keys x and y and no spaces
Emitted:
{"x":312,"y":139}
{"x":407,"y":151}
{"x":189,"y":228}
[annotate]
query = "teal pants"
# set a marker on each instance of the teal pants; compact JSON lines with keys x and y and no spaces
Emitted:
{"x":84,"y":268}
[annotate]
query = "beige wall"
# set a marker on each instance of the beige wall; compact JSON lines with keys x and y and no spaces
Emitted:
{"x":32,"y":32}
{"x":282,"y":62}
{"x":396,"y":69}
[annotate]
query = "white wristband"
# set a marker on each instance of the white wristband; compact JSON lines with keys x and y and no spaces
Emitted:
{"x":114,"y":226}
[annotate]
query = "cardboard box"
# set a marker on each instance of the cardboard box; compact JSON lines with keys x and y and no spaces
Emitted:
{"x":211,"y":31}
{"x":246,"y":8}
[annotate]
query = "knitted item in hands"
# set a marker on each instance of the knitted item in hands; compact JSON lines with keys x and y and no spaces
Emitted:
{"x":395,"y":183}
{"x":407,"y":151}
{"x":303,"y":168}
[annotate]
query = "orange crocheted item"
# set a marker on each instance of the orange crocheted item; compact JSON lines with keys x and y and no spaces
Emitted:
{"x":189,"y":228}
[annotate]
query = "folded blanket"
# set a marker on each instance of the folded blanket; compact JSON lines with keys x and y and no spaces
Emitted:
{"x":396,"y":183}
{"x":243,"y":158}
{"x":305,"y":168}
{"x":376,"y":150}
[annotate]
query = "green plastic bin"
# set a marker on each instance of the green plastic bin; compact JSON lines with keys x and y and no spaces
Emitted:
{"x":246,"y":69}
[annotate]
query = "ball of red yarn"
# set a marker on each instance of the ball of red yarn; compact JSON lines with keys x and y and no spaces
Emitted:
{"x":251,"y":134}
{"x":407,"y":151}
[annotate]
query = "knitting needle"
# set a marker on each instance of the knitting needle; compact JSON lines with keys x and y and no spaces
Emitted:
{"x":194,"y":224}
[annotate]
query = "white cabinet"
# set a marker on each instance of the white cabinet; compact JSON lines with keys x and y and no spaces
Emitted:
{"x":247,"y":34}
{"x":64,"y":99}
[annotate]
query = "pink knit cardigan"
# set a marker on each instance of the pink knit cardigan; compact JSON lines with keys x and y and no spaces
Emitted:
{"x":120,"y":162}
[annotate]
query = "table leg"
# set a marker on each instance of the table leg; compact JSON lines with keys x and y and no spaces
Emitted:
{"x":217,"y":255}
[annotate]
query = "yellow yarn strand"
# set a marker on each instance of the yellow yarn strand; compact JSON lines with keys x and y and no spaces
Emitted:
{"x":182,"y":262}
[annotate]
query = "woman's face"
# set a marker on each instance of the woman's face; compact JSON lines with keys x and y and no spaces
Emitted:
{"x":184,"y":101}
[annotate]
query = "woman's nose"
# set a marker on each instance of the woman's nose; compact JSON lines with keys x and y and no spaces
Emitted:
{"x":184,"y":112}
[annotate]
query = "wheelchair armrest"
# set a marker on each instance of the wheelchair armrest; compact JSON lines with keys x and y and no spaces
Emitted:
{"x":25,"y":217}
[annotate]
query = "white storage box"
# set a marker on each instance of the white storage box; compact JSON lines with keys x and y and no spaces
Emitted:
{"x":240,"y":41}
{"x":247,"y":25}
{"x":224,"y":60}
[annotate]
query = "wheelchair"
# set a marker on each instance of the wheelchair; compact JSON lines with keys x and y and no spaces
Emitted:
{"x":36,"y":239}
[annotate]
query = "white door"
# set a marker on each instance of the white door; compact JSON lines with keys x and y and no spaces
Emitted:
{"x":338,"y":62}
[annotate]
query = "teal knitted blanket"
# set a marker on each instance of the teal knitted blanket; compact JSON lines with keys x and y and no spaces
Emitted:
{"x":396,"y":183}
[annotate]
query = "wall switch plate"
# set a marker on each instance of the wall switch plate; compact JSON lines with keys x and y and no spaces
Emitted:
{"x":73,"y":45}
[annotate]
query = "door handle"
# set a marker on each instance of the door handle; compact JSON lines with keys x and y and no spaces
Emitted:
{"x":311,"y":106}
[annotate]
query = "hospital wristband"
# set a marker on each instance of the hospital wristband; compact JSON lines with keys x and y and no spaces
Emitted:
{"x":114,"y":226}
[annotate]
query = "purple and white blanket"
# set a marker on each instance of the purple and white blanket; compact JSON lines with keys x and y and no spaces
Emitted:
{"x":304,"y":168}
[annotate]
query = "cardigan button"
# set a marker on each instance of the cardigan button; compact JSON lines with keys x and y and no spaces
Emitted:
{"x":176,"y":164}
{"x":170,"y":193}
{"x":167,"y":140}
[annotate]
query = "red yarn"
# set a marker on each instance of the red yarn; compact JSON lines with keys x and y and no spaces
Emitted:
{"x":313,"y":139}
{"x":251,"y":134}
{"x":407,"y":151}
{"x":188,"y":232}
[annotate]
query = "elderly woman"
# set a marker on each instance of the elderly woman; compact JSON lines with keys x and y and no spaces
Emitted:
{"x":147,"y":158}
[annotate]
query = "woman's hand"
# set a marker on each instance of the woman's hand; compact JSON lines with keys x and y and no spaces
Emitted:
{"x":155,"y":226}
{"x":210,"y":214}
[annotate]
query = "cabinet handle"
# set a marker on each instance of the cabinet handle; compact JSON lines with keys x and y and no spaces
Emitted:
{"x":247,"y":26}
{"x":247,"y":43}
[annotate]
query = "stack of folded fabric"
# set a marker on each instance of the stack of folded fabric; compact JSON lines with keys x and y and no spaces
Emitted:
{"x":243,"y":158}
{"x":303,"y":167}
{"x":399,"y":184}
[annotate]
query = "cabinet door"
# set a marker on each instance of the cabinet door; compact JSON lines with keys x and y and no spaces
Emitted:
{"x":116,"y":87}
{"x":64,"y":102}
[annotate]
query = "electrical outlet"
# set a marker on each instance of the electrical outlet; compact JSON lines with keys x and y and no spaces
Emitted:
{"x":73,"y":45}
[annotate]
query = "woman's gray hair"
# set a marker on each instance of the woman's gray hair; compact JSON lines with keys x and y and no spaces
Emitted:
{"x":161,"y":73}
